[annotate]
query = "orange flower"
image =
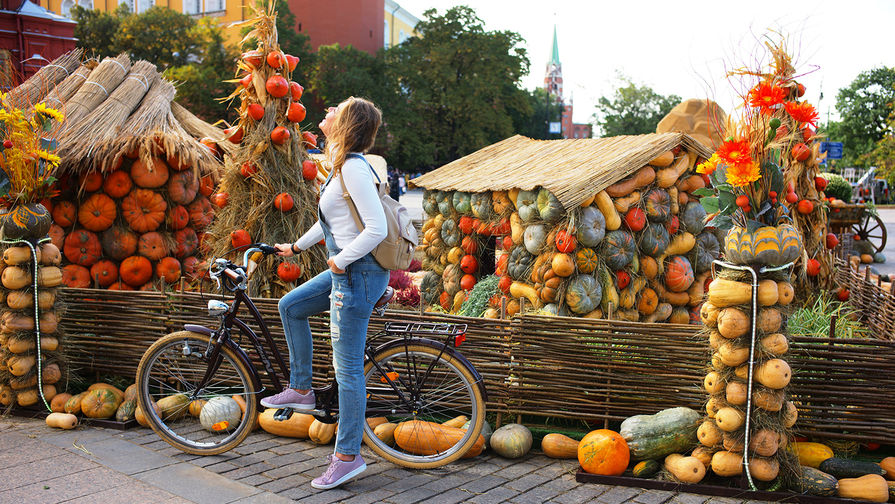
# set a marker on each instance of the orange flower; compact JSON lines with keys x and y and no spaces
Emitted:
{"x":765,"y":97}
{"x":802,"y":112}
{"x":741,"y":175}
{"x":741,"y":168}
{"x":709,"y":166}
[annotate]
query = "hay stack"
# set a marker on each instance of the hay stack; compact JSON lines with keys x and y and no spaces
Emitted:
{"x":44,"y":80}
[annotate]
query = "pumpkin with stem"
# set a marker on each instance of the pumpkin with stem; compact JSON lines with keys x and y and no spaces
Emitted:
{"x":168,"y":268}
{"x":144,"y":210}
{"x":618,"y":249}
{"x":118,"y":243}
{"x":511,"y":441}
{"x":76,"y":276}
{"x":97,"y":213}
{"x":591,"y":227}
{"x":179,"y":217}
{"x":135,"y":271}
{"x":117,"y":184}
{"x":147,"y":176}
{"x":583,"y":294}
{"x":65,"y":213}
{"x":82,"y":247}
{"x":152,"y":245}
{"x":768,"y":246}
{"x":104,"y":272}
{"x":187,"y":242}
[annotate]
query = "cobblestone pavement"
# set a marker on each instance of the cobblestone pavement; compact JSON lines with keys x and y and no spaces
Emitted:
{"x":270,"y":469}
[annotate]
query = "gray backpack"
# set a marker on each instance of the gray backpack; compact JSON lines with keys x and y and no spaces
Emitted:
{"x":396,"y":251}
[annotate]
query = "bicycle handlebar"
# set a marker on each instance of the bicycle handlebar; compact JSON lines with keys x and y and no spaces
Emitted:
{"x":239,"y":273}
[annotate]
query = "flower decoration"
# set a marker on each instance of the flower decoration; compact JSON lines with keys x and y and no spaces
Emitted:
{"x":802,"y":112}
{"x":26,"y":156}
{"x":766,"y":97}
{"x":709,"y":166}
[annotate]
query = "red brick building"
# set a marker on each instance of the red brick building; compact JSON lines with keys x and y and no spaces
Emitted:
{"x":30,"y":37}
{"x":356,"y":22}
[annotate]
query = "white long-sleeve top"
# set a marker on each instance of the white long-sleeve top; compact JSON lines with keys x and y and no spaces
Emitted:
{"x":361,"y":185}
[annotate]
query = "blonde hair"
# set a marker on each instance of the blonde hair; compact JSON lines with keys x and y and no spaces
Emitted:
{"x":354,"y":129}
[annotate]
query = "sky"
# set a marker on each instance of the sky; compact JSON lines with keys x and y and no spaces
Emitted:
{"x":686,"y":47}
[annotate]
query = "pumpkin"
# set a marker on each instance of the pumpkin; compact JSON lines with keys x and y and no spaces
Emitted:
{"x":527,"y":205}
{"x":603,"y":452}
{"x":685,"y":469}
{"x":82,"y":247}
{"x":443,"y":198}
{"x":206,"y":185}
{"x":90,"y":181}
{"x":692,"y":218}
{"x":430,"y":206}
{"x":653,"y":240}
{"x":178,"y":217}
{"x":219,"y":414}
{"x":481,"y":205}
{"x":678,"y":274}
{"x":144,"y":210}
{"x":815,"y":482}
{"x":654,"y":436}
{"x":871,"y":487}
{"x":97,"y":213}
{"x":583,"y":294}
{"x":104,"y":273}
{"x":428,"y":438}
{"x":534,"y":238}
{"x":708,"y":433}
{"x":431,"y":287}
{"x":135,"y":271}
{"x":168,"y":268}
{"x":645,"y":469}
{"x":76,"y":276}
{"x":462,"y":203}
{"x":559,"y":446}
{"x":764,"y":442}
{"x":321,"y":433}
{"x":769,"y":246}
{"x":501,"y":202}
{"x":64,"y":213}
{"x":765,"y":469}
{"x":117,"y":184}
{"x":635,"y":219}
{"x":591,"y":227}
{"x":549,"y":208}
{"x":724,"y":293}
{"x":618,"y":249}
{"x":152,"y":176}
{"x":707,"y":250}
{"x":450,"y":234}
{"x":586,"y":260}
{"x":888,"y":465}
{"x":140,"y":417}
{"x":519,"y":263}
{"x":296,"y":426}
{"x":773,"y":373}
{"x":126,"y":410}
{"x":183,"y":187}
{"x":99,"y":403}
{"x":657,"y":205}
{"x":563,"y":265}
{"x":648,"y":301}
{"x":511,"y":441}
{"x":48,"y":254}
{"x":57,"y":405}
{"x":466,"y":224}
{"x":469,"y":245}
{"x":565,"y":241}
{"x":187,"y":242}
{"x":386,"y":432}
{"x":118,"y":243}
{"x":201,"y":212}
{"x":152,"y":246}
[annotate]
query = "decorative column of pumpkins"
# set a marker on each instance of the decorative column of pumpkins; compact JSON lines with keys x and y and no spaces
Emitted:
{"x":269,"y":189}
{"x":24,"y":363}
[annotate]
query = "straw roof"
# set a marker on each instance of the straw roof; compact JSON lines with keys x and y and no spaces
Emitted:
{"x":571,"y":169}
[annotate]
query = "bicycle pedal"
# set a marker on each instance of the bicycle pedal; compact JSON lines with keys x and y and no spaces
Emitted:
{"x":283,"y":414}
{"x":380,"y":310}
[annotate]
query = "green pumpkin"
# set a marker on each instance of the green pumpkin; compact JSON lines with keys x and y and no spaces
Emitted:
{"x":879,"y":257}
{"x":618,"y":249}
{"x":549,"y":208}
{"x":533,"y":238}
{"x":430,"y":205}
{"x":431,"y":287}
{"x":481,"y":205}
{"x":657,"y":205}
{"x":443,"y":198}
{"x":707,"y":249}
{"x":450,"y":233}
{"x":29,"y":221}
{"x":668,"y":431}
{"x":591,"y":226}
{"x":653,"y":240}
{"x":519,"y":263}
{"x":583,"y":294}
{"x":767,"y":246}
{"x":692,"y":218}
{"x":527,"y":204}
{"x":461,"y":203}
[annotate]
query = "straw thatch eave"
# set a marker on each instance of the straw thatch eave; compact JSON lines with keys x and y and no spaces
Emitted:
{"x":572,"y":170}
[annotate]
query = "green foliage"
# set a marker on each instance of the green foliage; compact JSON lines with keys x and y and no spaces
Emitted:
{"x":632,"y":110}
{"x":159,"y":35}
{"x":865,"y":107}
{"x":883,"y":154}
{"x":532,"y":121}
{"x":814,"y":319}
{"x":96,"y":30}
{"x":837,"y":187}
{"x":477,"y":303}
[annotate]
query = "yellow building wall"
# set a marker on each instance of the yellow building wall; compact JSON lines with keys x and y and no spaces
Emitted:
{"x":395,"y":25}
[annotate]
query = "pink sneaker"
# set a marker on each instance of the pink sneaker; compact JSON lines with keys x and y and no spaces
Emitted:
{"x":339,"y":472}
{"x":291,"y":399}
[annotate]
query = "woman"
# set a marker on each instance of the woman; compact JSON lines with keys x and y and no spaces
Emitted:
{"x":348,"y":289}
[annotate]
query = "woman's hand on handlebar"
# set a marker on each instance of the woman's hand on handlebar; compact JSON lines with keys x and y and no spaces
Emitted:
{"x":284,"y":249}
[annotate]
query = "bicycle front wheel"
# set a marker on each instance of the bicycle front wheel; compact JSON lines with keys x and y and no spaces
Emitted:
{"x":417,"y":388}
{"x":201,"y":421}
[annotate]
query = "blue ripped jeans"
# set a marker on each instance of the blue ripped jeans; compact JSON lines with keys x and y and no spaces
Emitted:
{"x":349,"y":297}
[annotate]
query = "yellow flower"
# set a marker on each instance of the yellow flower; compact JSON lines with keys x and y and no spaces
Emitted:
{"x":743,"y":174}
{"x":708,"y":167}
{"x":50,"y":158}
{"x":42,"y":108}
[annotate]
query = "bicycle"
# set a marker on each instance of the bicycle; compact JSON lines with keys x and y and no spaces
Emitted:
{"x":408,"y":374}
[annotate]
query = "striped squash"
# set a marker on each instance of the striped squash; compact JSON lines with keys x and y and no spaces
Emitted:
{"x":771,"y":246}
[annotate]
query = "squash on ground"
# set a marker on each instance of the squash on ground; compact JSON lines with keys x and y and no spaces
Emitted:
{"x":603,"y":452}
{"x":844,"y":468}
{"x":685,"y":469}
{"x":64,"y":421}
{"x":174,"y":406}
{"x":888,"y":465}
{"x":559,"y":446}
{"x":871,"y":487}
{"x":428,"y":438}
{"x":386,"y":432}
{"x":321,"y":433}
{"x":100,"y":403}
{"x":816,"y":482}
{"x":296,"y":426}
{"x":511,"y":441}
{"x":669,"y":431}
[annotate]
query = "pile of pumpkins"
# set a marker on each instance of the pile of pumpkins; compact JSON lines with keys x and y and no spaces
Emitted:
{"x":133,"y":226}
{"x":638,"y":250}
{"x":99,"y":401}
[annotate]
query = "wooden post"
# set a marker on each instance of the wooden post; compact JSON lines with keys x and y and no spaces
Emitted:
{"x":503,"y":307}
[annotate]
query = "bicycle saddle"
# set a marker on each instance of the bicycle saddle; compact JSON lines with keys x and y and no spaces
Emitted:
{"x":386,"y":297}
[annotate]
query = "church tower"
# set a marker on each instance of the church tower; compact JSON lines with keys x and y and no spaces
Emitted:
{"x":553,"y":77}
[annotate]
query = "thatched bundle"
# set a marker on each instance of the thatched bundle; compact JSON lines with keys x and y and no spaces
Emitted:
{"x":99,"y":85}
{"x":44,"y":80}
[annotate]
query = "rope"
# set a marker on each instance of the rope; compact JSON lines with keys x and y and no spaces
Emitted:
{"x":67,"y":73}
{"x":119,"y":64}
{"x":40,"y":388}
{"x":98,"y":84}
{"x":141,"y":80}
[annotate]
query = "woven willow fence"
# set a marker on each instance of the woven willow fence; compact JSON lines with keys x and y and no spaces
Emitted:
{"x":874,"y":300}
{"x":549,"y":367}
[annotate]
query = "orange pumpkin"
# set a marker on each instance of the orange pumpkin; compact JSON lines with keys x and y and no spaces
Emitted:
{"x":604,"y":452}
{"x":190,"y":267}
{"x":467,"y":282}
{"x":75,"y":275}
{"x":648,"y":302}
{"x":119,"y":243}
{"x":65,"y":213}
{"x":118,"y":184}
{"x":201,"y":212}
{"x":296,"y":112}
{"x":179,"y":217}
{"x":82,"y":247}
{"x":135,"y":271}
{"x":57,"y":235}
{"x":283,"y":202}
{"x":99,"y":403}
{"x":149,"y":177}
{"x":565,"y":241}
{"x":206,"y":186}
{"x":152,"y":246}
{"x":649,"y":267}
{"x":220,"y":199}
{"x":563,"y":265}
{"x":187,"y":242}
{"x":469,"y":245}
{"x":144,"y":210}
{"x":280,"y":135}
{"x":90,"y":182}
{"x":288,"y":272}
{"x":119,"y":285}
{"x":587,"y":260}
{"x":97,"y":213}
{"x":169,"y":269}
{"x":175,"y":164}
{"x":240,"y":238}
{"x":183,"y":187}
{"x":105,"y":272}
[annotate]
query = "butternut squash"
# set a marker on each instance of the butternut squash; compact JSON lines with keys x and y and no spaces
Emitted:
{"x":703,"y":454}
{"x":697,"y":289}
{"x":374,"y":422}
{"x":667,"y":177}
{"x":708,"y":433}
{"x":622,"y":205}
{"x":640,"y":178}
{"x":767,"y":293}
{"x":681,"y":244}
{"x":49,"y":276}
{"x":690,"y":184}
{"x":662,"y":160}
{"x":766,"y":469}
{"x":21,"y":345}
{"x":64,"y":421}
{"x":675,"y":200}
{"x":888,"y":465}
{"x":21,"y":300}
{"x":713,"y":382}
{"x":773,"y":373}
{"x":321,"y":433}
{"x":15,"y":277}
{"x":140,"y":417}
{"x":729,"y":419}
{"x":715,"y":340}
{"x":673,"y":298}
{"x":775,"y":344}
{"x":685,"y":469}
{"x":785,"y":293}
{"x":733,"y":442}
{"x":708,"y":313}
{"x":297,"y":426}
{"x":30,"y":396}
{"x":585,"y":203}
{"x":19,"y":255}
{"x":732,"y":354}
{"x":764,"y":442}
{"x":711,"y":407}
{"x":725,"y":463}
{"x":790,"y":414}
{"x":386,"y":432}
{"x":50,"y":375}
{"x":871,"y":487}
{"x":607,"y":208}
{"x":663,"y":311}
{"x":427,"y":438}
{"x":733,"y":323}
{"x":736,"y":393}
{"x":456,"y":422}
{"x":724,"y":293}
{"x":523,"y":290}
{"x":20,"y":364}
{"x":50,"y":254}
{"x":517,"y":228}
{"x":559,"y":446}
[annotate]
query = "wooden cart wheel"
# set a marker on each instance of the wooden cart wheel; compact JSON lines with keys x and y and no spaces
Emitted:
{"x":872,"y":229}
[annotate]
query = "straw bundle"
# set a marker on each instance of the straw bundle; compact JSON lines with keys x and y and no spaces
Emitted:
{"x":80,"y":142}
{"x":99,"y":85}
{"x":38,"y":85}
{"x":201,"y":129}
{"x":70,"y":85}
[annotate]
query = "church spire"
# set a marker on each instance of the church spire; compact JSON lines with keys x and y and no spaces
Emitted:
{"x":554,"y":58}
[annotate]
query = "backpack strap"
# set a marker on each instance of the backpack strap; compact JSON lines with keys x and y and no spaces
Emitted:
{"x":351,"y":207}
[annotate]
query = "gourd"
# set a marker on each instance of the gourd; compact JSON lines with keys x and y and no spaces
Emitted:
{"x":196,"y":407}
{"x":520,"y":290}
{"x":663,"y":311}
{"x":844,"y":468}
{"x":73,"y":404}
{"x":668,"y":176}
{"x":654,"y":436}
{"x":708,"y":433}
{"x":625,"y":204}
{"x":680,"y":244}
{"x":663,"y":160}
{"x":428,"y":438}
{"x":511,"y":441}
{"x":640,"y":178}
{"x":649,"y":267}
{"x":140,"y":417}
{"x":888,"y":465}
{"x":321,"y":433}
{"x":735,"y":393}
{"x":174,"y":406}
{"x":724,"y":293}
{"x":517,"y":228}
{"x":607,"y":208}
{"x":603,"y":452}
{"x":126,"y":410}
{"x":692,"y":218}
{"x":549,"y":208}
{"x":586,"y":260}
{"x":618,"y":249}
{"x":871,"y":487}
{"x":450,"y":234}
{"x":386,"y":432}
{"x":296,"y":426}
{"x":119,"y":395}
{"x":534,"y":237}
{"x":678,"y":274}
{"x":519,"y":263}
{"x":645,"y":469}
{"x":456,"y":422}
{"x":775,"y":344}
{"x":654,"y":239}
{"x":657,"y":205}
{"x":610,"y":299}
{"x":144,"y":210}
{"x":527,"y":204}
{"x":768,"y":400}
{"x":443,"y":202}
{"x":733,"y":322}
{"x":30,"y":396}
{"x":770,"y":246}
{"x":785,"y":293}
{"x":815,"y":482}
{"x":648,"y":302}
{"x":769,"y":320}
{"x":764,"y":442}
{"x":773,"y":373}
{"x":64,"y":421}
{"x":559,"y":446}
{"x":704,"y":455}
{"x":57,"y":405}
{"x":97,"y":212}
{"x":461,"y":203}
{"x":481,"y":205}
{"x":583,"y":294}
{"x":591,"y":227}
{"x":500,"y":202}
{"x":764,"y":469}
{"x":19,"y":255}
{"x":729,"y":419}
{"x":99,"y":403}
{"x":725,"y":463}
{"x":685,"y":469}
{"x":713,"y":382}
{"x":218,"y":414}
{"x":707,"y":250}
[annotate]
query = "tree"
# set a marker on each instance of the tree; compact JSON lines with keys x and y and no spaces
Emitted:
{"x":461,"y":86}
{"x":96,"y":30}
{"x":159,"y":35}
{"x":883,"y":154}
{"x":864,"y":108}
{"x":532,"y":121}
{"x":632,"y":110}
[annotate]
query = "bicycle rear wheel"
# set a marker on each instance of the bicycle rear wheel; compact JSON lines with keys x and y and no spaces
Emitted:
{"x":430,"y":388}
{"x":168,"y":378}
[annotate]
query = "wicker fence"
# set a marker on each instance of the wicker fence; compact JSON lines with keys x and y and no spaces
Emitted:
{"x":595,"y":371}
{"x":874,"y":303}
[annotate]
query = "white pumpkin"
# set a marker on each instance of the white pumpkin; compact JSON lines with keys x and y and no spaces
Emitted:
{"x":220,"y":414}
{"x":534,"y":237}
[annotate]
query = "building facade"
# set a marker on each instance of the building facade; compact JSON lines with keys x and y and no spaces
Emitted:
{"x":30,"y":37}
{"x":554,"y":85}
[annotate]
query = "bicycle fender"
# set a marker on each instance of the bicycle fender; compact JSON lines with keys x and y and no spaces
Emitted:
{"x":240,"y":353}
{"x":198,"y":329}
{"x":437,"y":345}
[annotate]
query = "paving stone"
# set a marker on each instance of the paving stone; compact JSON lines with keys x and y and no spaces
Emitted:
{"x":483,"y":484}
{"x":295,"y":469}
{"x":583,"y":493}
{"x":286,"y":459}
{"x":618,"y":494}
{"x":70,"y":486}
{"x":688,"y":498}
{"x":326,"y":496}
{"x":724,"y":500}
{"x":366,"y":481}
{"x":653,"y":497}
{"x":414,"y":481}
{"x":367,"y":496}
{"x":221,"y":467}
{"x":287,"y":448}
{"x":263,"y":444}
{"x":297,"y":493}
{"x":278,"y":485}
{"x":123,"y":456}
{"x":204,"y":486}
{"x":255,"y":480}
{"x":496,"y":494}
{"x":449,"y":482}
{"x":450,"y":497}
{"x":412,"y":496}
{"x":484,"y":468}
{"x":65,"y":463}
{"x":128,"y":493}
{"x":515,"y":471}
{"x":263,"y":498}
{"x":529,"y":481}
{"x":212,"y":459}
{"x":243,"y":472}
{"x":536,"y":495}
